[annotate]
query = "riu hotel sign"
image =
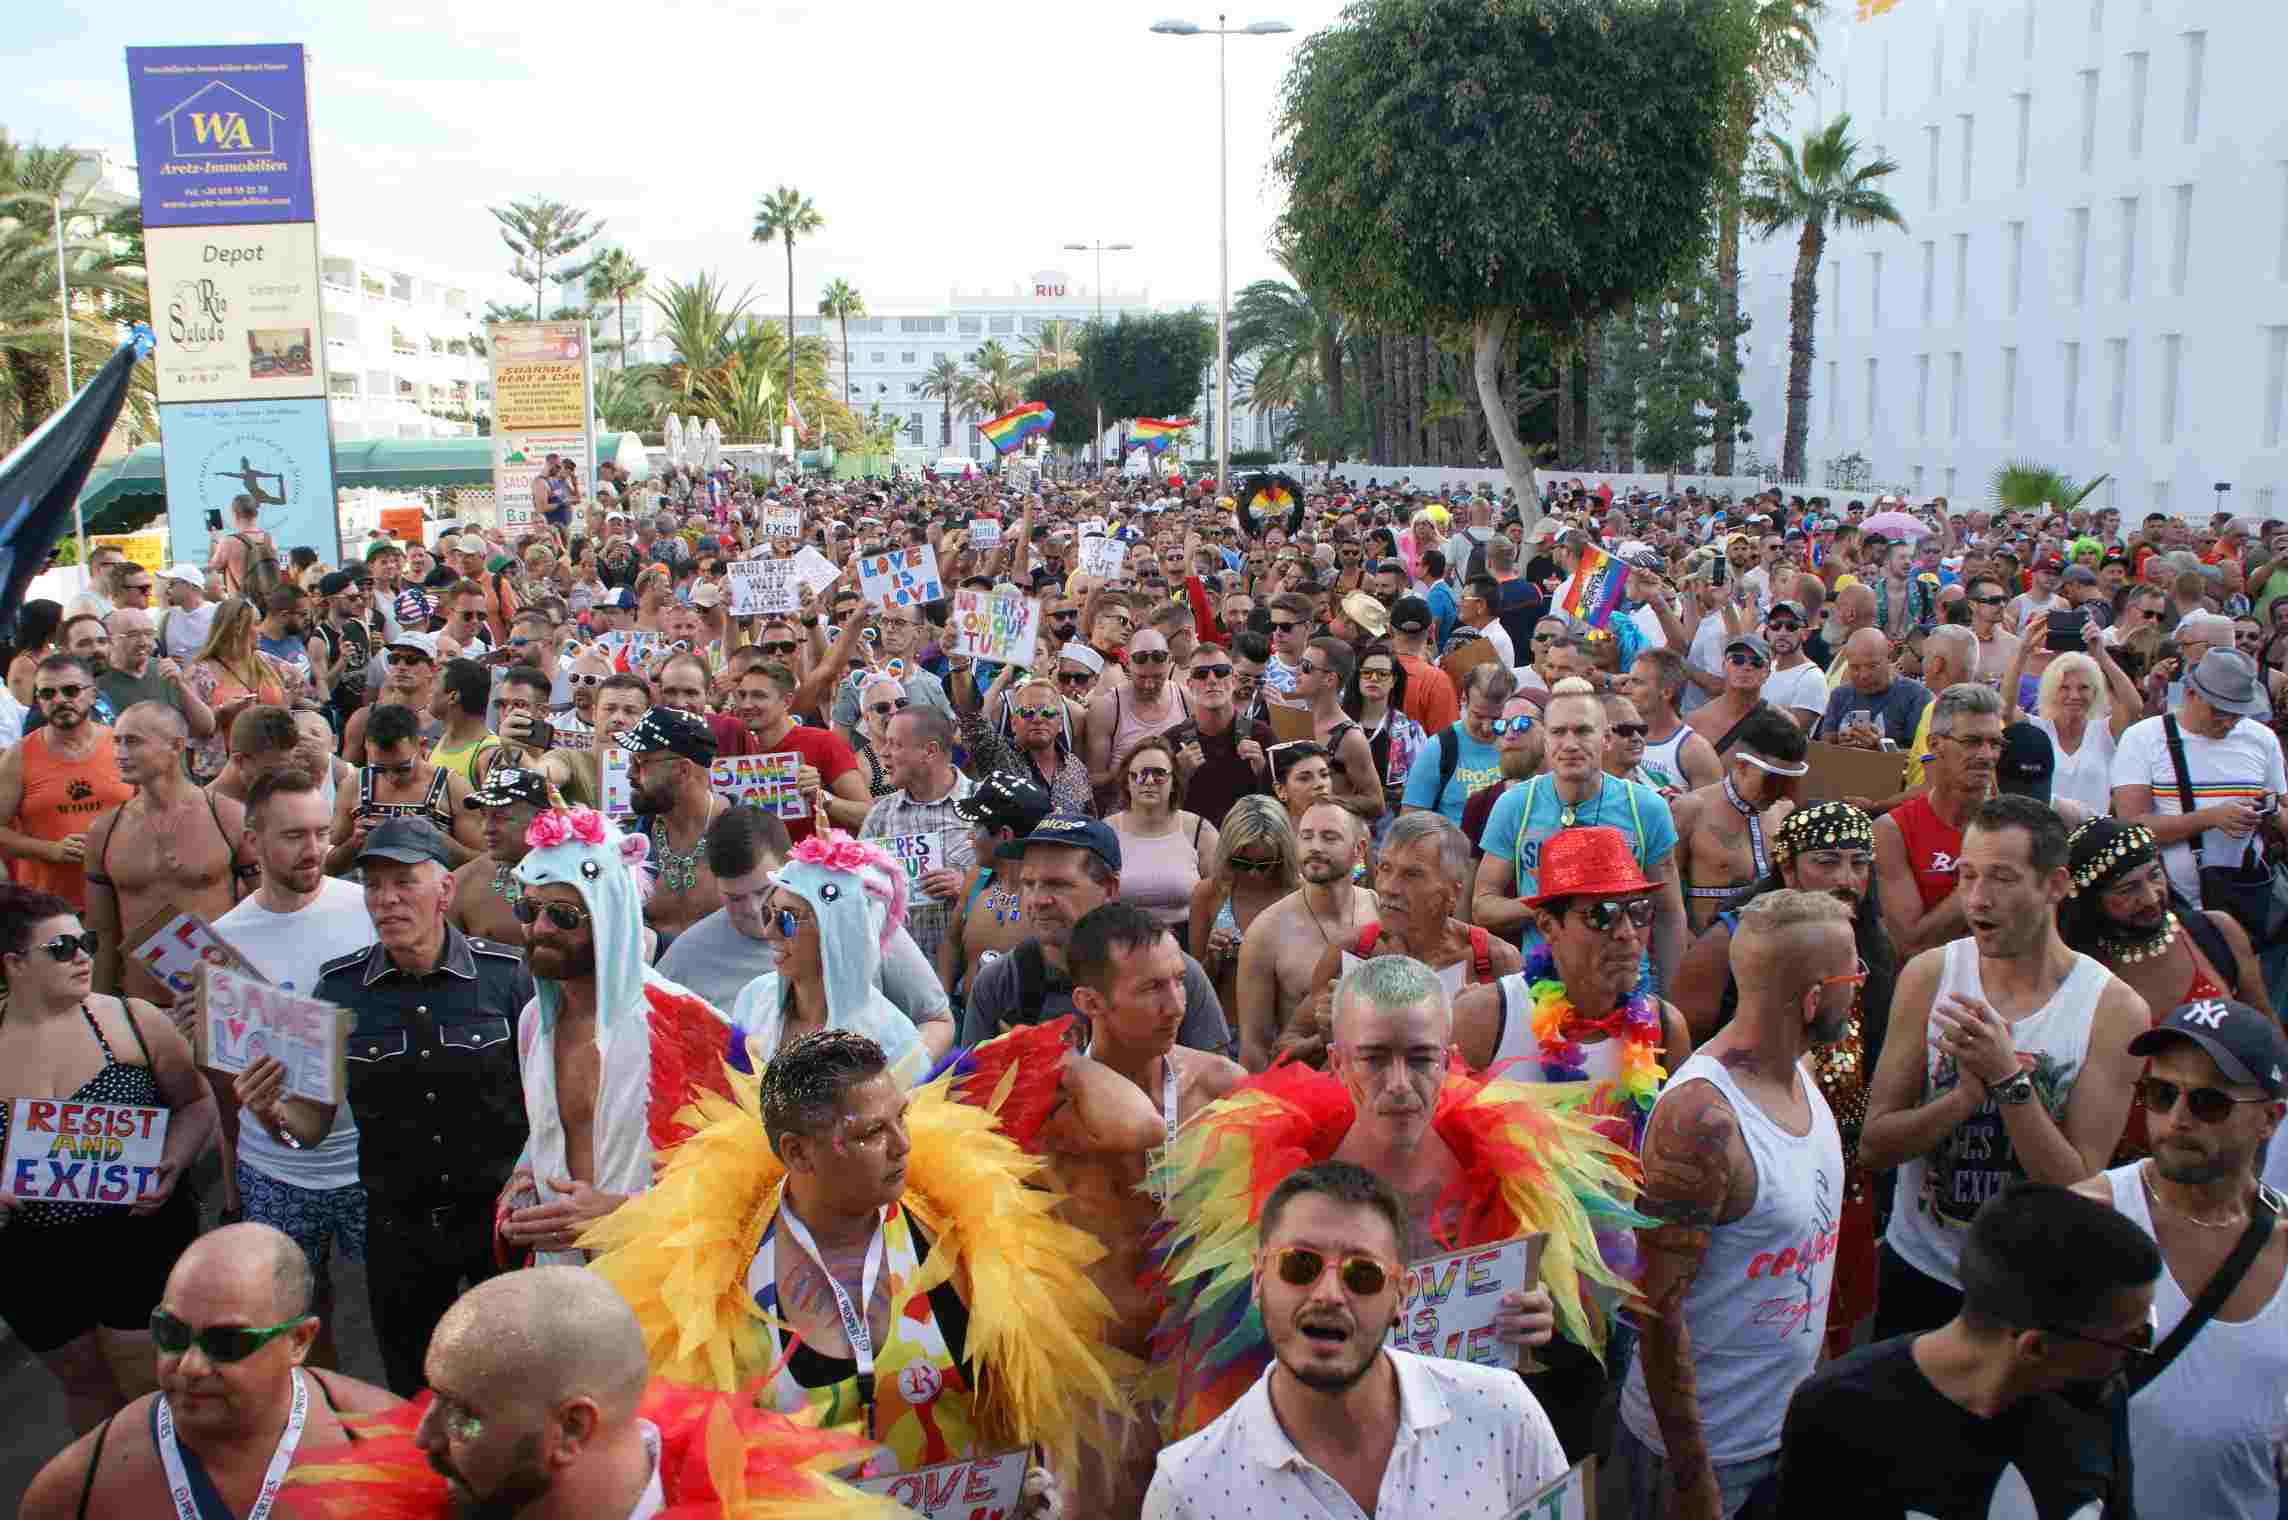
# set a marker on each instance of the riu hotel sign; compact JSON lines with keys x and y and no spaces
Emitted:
{"x":1050,"y":285}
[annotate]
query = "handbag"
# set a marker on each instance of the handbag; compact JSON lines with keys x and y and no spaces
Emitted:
{"x":2251,"y":891}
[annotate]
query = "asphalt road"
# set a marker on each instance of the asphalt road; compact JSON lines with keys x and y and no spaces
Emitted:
{"x":32,"y":1427}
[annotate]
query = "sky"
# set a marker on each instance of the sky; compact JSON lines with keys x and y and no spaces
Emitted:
{"x":944,"y":146}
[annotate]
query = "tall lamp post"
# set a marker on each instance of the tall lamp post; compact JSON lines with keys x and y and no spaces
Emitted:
{"x":1223,"y":216}
{"x":1100,"y":249}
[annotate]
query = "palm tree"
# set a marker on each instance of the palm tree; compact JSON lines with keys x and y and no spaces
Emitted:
{"x":1298,"y":338}
{"x":992,"y":388}
{"x":614,"y":278}
{"x":839,"y":302}
{"x":1056,"y":346}
{"x":628,"y":401}
{"x":701,"y":322}
{"x":539,"y":230}
{"x":103,"y":273}
{"x":765,"y":342}
{"x":742,"y":396}
{"x":1785,"y":52}
{"x":784,"y":215}
{"x":947,"y":384}
{"x":1823,"y":183}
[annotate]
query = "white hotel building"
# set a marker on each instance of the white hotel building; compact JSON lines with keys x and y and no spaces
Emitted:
{"x":400,"y":362}
{"x":2094,"y":272}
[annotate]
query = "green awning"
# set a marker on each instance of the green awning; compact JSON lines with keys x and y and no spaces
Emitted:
{"x":124,"y":496}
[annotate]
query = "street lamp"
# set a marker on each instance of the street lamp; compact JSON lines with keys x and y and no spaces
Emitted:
{"x":1223,"y":216}
{"x":1100,"y":249}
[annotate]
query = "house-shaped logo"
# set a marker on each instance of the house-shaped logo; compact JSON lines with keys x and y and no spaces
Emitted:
{"x":218,"y":120}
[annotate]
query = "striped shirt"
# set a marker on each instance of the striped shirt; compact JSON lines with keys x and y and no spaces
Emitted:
{"x":2241,"y":767}
{"x":898,"y":814}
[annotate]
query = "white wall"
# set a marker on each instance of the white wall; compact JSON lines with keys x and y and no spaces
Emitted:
{"x":1424,"y":478}
{"x":2155,"y":346}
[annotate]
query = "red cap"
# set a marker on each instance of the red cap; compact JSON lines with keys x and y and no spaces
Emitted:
{"x":1594,"y":862}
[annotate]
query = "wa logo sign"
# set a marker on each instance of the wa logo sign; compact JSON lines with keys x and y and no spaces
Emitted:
{"x":219,"y":121}
{"x":222,"y":134}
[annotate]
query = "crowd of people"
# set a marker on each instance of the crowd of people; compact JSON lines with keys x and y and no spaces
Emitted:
{"x":1070,"y":1053}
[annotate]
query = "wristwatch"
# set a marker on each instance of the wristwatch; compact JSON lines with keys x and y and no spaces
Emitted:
{"x":2015,"y":1090}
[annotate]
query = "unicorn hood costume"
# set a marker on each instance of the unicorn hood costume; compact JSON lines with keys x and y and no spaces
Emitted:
{"x":857,"y":896}
{"x":655,"y":1040}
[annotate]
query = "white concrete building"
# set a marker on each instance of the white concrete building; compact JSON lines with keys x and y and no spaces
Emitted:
{"x":2094,"y":273}
{"x":400,"y":360}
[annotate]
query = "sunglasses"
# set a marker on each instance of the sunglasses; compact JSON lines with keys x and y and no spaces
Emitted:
{"x":1361,"y":1275}
{"x":1075,"y":677}
{"x":884,"y":709}
{"x":778,"y":646}
{"x":218,"y":1343}
{"x":1741,"y":659}
{"x":69,"y":947}
{"x":2210,"y":1105}
{"x":1033,"y":714}
{"x":1783,"y":627}
{"x":1605,"y":913}
{"x":143,"y":589}
{"x":1210,"y":672}
{"x":1146,"y":774}
{"x":1632,"y":730}
{"x":787,"y":923}
{"x":1279,"y":627}
{"x":565,"y":916}
{"x":1254,"y":865}
{"x":69,"y":692}
{"x":577,"y":679}
{"x":1374,"y":673}
{"x":1516,"y":725}
{"x":1149,"y":657}
{"x":2139,"y":1345}
{"x":1990,"y":601}
{"x":401,"y":768}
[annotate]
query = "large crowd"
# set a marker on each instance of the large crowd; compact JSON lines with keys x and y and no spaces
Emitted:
{"x":1845,"y":935}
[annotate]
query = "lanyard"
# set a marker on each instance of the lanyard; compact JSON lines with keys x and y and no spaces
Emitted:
{"x":1167,"y":1103}
{"x":853,"y":1320}
{"x":179,"y":1486}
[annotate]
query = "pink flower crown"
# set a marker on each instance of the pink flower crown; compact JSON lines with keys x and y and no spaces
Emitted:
{"x":566,"y":825}
{"x":835,"y":851}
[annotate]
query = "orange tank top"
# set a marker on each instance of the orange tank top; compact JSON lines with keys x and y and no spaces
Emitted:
{"x":63,"y":797}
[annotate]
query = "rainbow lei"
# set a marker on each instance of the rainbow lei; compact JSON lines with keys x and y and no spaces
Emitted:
{"x":1636,"y":1022}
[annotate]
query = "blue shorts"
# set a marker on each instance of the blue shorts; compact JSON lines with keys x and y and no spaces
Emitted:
{"x":316,"y":1217}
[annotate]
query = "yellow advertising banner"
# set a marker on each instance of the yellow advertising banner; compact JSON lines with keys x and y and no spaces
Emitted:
{"x":539,"y":376}
{"x":146,"y":549}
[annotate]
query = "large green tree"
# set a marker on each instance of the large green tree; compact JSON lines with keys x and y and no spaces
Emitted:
{"x":1664,"y":398}
{"x":613,"y":277}
{"x":1151,"y":366}
{"x":102,"y":270}
{"x":1823,"y":184}
{"x":541,"y":232}
{"x":992,"y":387}
{"x":1487,"y":165}
{"x":784,"y":215}
{"x":1066,"y":392}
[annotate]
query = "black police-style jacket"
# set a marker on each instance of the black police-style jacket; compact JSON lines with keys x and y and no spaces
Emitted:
{"x":433,"y":1074}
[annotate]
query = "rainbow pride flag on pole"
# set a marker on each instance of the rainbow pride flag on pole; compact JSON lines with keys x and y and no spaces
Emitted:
{"x":1013,"y":428}
{"x":1157,"y":431}
{"x":1151,"y":443}
{"x":1595,"y":589}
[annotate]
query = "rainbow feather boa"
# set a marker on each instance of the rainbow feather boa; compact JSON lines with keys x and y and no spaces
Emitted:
{"x":1528,"y":1162}
{"x":1633,"y":1092}
{"x":678,"y":1253}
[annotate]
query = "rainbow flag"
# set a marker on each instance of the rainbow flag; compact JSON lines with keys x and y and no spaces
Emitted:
{"x":1152,"y":443}
{"x":1595,"y":589}
{"x":1156,"y":431}
{"x":1013,"y":428}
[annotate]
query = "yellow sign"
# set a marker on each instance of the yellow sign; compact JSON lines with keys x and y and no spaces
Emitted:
{"x":146,"y":549}
{"x":539,"y":376}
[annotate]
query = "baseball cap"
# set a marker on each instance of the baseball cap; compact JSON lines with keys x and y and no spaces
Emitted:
{"x":1792,"y":609}
{"x":408,"y":841}
{"x":1005,"y":800}
{"x":333,"y":585}
{"x":624,"y":599}
{"x":468,"y":543}
{"x":2080,"y":575}
{"x":2051,"y":563}
{"x":189,"y":575}
{"x":1070,"y":830}
{"x":706,"y":594}
{"x":2028,"y":762}
{"x":2246,"y":1045}
{"x":423,"y":644}
{"x":1753,"y":643}
{"x":1368,"y":613}
{"x":507,"y":784}
{"x":1411,"y":614}
{"x":498,"y":563}
{"x":672,"y":729}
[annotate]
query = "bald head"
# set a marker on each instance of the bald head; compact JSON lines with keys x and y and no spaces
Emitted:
{"x":157,"y":720}
{"x":251,"y":1263}
{"x":1855,"y":606}
{"x":553,"y":1334}
{"x":1786,"y":942}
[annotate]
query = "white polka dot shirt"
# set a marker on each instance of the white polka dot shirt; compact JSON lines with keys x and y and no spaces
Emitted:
{"x":1471,"y":1441}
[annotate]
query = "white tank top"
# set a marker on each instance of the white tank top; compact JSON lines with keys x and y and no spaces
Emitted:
{"x":1600,"y":1059}
{"x":1939,"y":1193}
{"x":1758,"y":1309}
{"x":2201,"y":1433}
{"x":1665,"y":760}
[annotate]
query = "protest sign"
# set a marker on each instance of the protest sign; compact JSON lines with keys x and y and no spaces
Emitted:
{"x":1447,"y":1304}
{"x":981,"y":1488}
{"x":762,"y":585}
{"x":984,"y":533}
{"x":1570,"y":1496}
{"x":920,"y":854}
{"x":1092,"y":527}
{"x":614,"y":765}
{"x":1289,"y":724}
{"x":900,"y":577}
{"x":1102,"y":556}
{"x":814,"y":569}
{"x":782,"y":522}
{"x":763,"y":781}
{"x":996,"y":625}
{"x":60,"y":1151}
{"x":173,"y":946}
{"x":1841,"y":770}
{"x":242,"y":1019}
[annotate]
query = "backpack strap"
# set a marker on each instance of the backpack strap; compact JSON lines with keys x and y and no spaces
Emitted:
{"x":2211,"y":941}
{"x":1449,"y":759}
{"x":1481,"y":954}
{"x":2184,"y":779}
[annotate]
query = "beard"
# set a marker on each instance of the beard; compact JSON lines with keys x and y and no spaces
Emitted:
{"x":2118,"y":927}
{"x":1321,"y":870}
{"x":651,"y":801}
{"x":517,"y":1491}
{"x":562,"y":963}
{"x":1831,"y":1025}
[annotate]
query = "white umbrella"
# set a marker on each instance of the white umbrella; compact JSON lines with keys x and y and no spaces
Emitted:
{"x":673,"y":441}
{"x":714,"y":458}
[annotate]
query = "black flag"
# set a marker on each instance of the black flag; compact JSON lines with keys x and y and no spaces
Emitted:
{"x":41,"y":479}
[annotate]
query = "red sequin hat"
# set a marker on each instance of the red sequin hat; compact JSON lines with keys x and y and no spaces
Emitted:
{"x":1587,"y":863}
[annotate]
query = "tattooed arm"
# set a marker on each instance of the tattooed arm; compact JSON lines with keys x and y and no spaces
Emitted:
{"x":1689,"y":1166}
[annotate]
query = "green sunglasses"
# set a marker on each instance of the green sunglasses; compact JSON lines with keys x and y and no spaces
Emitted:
{"x":220,"y":1343}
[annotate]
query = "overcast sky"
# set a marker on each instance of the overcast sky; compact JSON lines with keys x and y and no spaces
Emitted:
{"x":945,"y":145}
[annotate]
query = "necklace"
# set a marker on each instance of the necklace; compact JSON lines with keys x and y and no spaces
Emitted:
{"x":1002,"y":903}
{"x":2129,"y":952}
{"x":506,"y":886}
{"x":1636,"y":1022}
{"x":2239,"y":1218}
{"x":1343,"y":921}
{"x":1568,"y":814}
{"x":677,"y":872}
